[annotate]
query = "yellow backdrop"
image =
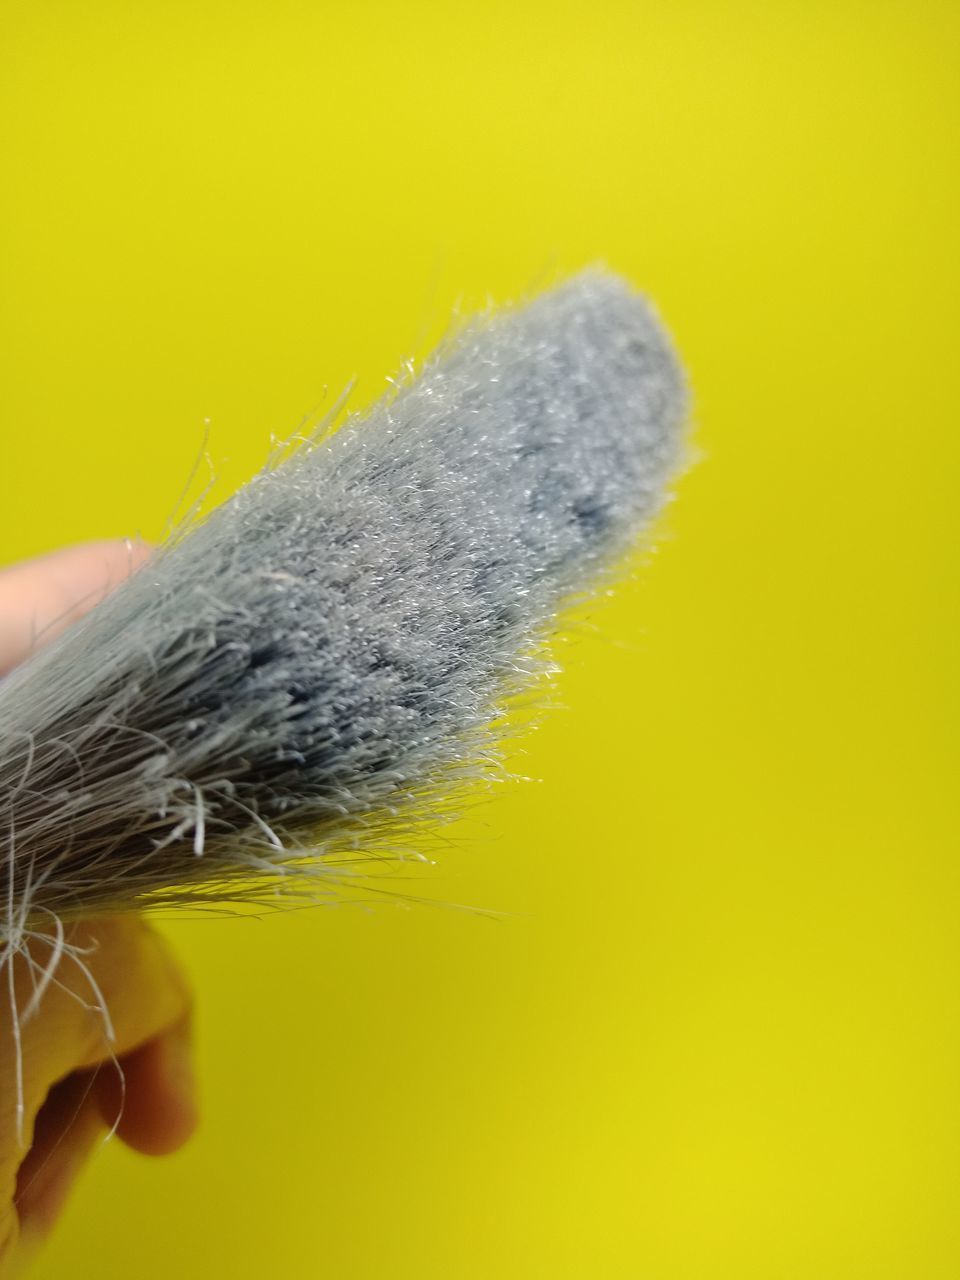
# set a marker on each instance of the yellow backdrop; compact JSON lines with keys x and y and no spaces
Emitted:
{"x":715,"y":1031}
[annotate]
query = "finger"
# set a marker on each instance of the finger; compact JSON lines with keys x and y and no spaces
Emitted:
{"x":153,"y":1104}
{"x":42,"y":597}
{"x":151,"y":1092}
{"x":119,"y":965}
{"x":67,"y":1128}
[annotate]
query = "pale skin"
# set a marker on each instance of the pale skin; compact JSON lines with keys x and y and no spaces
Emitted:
{"x":77,"y":1083}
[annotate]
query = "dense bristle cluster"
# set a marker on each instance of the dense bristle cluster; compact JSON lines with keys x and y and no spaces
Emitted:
{"x":334,"y":643}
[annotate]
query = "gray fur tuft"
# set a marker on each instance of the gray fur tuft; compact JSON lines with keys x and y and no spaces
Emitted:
{"x":332,"y":646}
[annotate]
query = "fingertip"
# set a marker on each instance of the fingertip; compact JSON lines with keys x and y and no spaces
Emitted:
{"x":40,"y":598}
{"x":154,"y":1106}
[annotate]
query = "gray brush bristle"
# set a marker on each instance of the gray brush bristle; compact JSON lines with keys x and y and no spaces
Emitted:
{"x":334,"y":643}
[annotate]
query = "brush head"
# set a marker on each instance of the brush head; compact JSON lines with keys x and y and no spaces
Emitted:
{"x":332,"y":646}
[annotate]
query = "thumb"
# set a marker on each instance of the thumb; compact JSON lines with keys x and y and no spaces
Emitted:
{"x":42,"y":597}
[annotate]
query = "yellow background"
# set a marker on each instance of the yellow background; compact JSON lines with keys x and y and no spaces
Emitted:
{"x":715,"y":1033}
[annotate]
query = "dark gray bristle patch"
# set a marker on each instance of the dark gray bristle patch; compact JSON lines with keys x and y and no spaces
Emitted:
{"x":332,"y":646}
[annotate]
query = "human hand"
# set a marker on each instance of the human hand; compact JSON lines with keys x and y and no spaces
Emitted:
{"x":77,"y":1082}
